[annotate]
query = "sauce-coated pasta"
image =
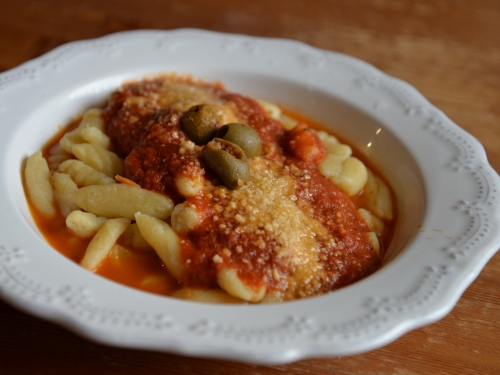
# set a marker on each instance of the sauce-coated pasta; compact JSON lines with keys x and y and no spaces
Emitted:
{"x":235,"y":199}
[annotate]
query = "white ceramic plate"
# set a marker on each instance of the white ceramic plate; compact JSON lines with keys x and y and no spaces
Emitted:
{"x":447,"y":199}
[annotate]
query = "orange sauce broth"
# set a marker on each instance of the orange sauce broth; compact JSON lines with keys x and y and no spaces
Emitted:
{"x":138,"y":268}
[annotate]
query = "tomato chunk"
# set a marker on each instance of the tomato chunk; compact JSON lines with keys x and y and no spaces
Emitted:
{"x":304,"y":144}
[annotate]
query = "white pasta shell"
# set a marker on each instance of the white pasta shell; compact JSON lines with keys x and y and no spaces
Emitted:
{"x":374,"y":223}
{"x":353,"y":177}
{"x":229,"y":280}
{"x":38,"y":184}
{"x":377,"y":197}
{"x":329,"y":141}
{"x":96,"y":136}
{"x":92,"y":118}
{"x":339,"y":149}
{"x":164,"y":240}
{"x":103,"y":242}
{"x":70,"y":139}
{"x":99,"y":158}
{"x":331,"y":167}
{"x":121,"y":200}
{"x":84,"y":224}
{"x":64,"y":187}
{"x":84,"y":175}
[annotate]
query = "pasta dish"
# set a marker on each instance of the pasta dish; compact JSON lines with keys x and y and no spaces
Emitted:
{"x":183,"y":188}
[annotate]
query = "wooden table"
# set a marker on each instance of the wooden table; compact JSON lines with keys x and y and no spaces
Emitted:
{"x":448,"y":49}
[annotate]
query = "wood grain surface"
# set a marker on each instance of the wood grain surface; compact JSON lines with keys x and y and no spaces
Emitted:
{"x":448,"y":49}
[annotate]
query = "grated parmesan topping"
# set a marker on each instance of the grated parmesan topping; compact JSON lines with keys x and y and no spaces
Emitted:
{"x":267,"y":206}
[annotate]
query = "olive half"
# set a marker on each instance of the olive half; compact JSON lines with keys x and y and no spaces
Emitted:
{"x":228,"y":161}
{"x":200,"y":123}
{"x":243,"y":136}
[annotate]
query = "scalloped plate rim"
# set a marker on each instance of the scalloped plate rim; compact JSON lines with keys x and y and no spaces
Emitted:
{"x":282,"y":355}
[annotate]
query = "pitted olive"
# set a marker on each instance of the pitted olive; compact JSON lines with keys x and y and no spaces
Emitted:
{"x":228,"y":161}
{"x":243,"y":136}
{"x":200,"y":123}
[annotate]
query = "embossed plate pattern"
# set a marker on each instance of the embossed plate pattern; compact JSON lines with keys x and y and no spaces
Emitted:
{"x":446,"y":194}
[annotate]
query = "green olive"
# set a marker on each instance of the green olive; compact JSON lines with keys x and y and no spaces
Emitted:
{"x":228,"y":161}
{"x":200,"y":123}
{"x":243,"y":136}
